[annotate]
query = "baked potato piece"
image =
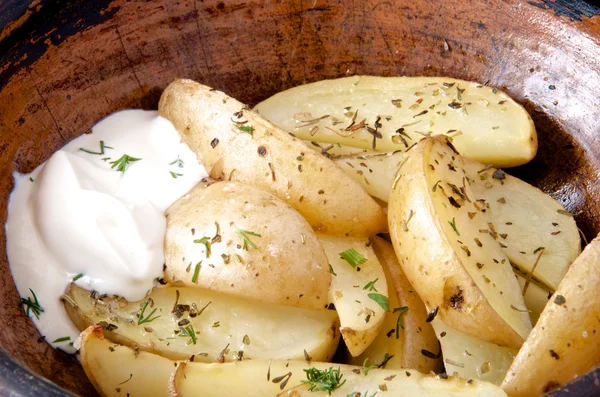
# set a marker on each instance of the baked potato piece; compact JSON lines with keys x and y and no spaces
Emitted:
{"x":117,"y":371}
{"x":535,"y":231}
{"x":259,"y":378}
{"x":251,"y":378}
{"x":393,"y":113}
{"x":565,"y":342}
{"x":181,"y":322}
{"x":406,"y":339}
{"x":359,"y":382}
{"x":446,"y":250}
{"x":358,"y":290}
{"x":472,"y":358}
{"x":243,"y":241}
{"x":237,"y":144}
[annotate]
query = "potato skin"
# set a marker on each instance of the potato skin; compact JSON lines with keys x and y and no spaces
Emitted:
{"x":418,"y":333}
{"x":259,"y":247}
{"x":238,"y":144}
{"x":429,"y":261}
{"x":565,"y":342}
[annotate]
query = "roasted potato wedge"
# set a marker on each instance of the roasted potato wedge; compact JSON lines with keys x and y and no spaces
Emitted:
{"x":405,"y":333}
{"x":446,"y":251}
{"x":117,"y":371}
{"x":392,"y":113}
{"x":359,"y":289}
{"x":535,"y":298}
{"x":565,"y":342}
{"x":259,"y":378}
{"x":250,"y":378}
{"x":472,"y":358}
{"x":180,"y":322}
{"x":374,"y":171}
{"x":357,"y":382}
{"x":240,"y":145}
{"x":536,"y":232}
{"x":243,"y":241}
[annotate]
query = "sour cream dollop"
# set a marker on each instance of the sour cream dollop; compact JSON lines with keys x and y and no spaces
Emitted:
{"x":94,"y":213}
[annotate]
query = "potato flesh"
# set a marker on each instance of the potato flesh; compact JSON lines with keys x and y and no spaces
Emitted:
{"x":249,"y":330}
{"x":535,"y":298}
{"x":432,"y":256}
{"x":565,"y":342}
{"x":400,"y":383}
{"x":531,"y":224}
{"x":251,"y":378}
{"x":361,"y":316}
{"x":524,"y":217}
{"x":404,"y":340}
{"x":472,"y":358}
{"x":470,"y":236}
{"x":489,"y":125}
{"x":375,"y":172}
{"x":117,"y":371}
{"x":245,"y":242}
{"x":240,"y":145}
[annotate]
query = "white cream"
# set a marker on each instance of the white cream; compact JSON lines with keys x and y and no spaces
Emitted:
{"x":77,"y":214}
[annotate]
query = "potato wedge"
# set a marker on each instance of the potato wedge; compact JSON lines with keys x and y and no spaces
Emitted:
{"x":352,"y":111}
{"x":565,"y":342}
{"x":471,"y":358}
{"x":117,"y":371}
{"x":535,"y":298}
{"x":446,"y":251}
{"x":359,"y":289}
{"x":180,"y":322}
{"x":240,"y":145}
{"x":374,"y":171}
{"x":399,"y":383}
{"x":405,"y":332}
{"x":259,"y":378}
{"x":243,"y":241}
{"x":249,"y":378}
{"x":536,"y":232}
{"x":524,"y":218}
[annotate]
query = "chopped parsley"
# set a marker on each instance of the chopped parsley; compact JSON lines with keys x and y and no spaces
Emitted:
{"x":353,"y":257}
{"x":381,"y":300}
{"x":196,"y":272}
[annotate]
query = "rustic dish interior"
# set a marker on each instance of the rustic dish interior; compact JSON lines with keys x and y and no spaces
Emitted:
{"x":59,"y":75}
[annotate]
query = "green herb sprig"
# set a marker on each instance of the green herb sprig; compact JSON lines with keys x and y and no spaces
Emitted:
{"x":381,"y":300}
{"x":353,"y":257}
{"x":401,"y":311}
{"x":32,"y":305}
{"x":371,"y":285}
{"x":189,"y":331}
{"x":101,"y":152}
{"x":148,"y":318}
{"x":122,"y":162}
{"x":206,"y":241}
{"x":323,"y":380}
{"x":247,"y":241}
